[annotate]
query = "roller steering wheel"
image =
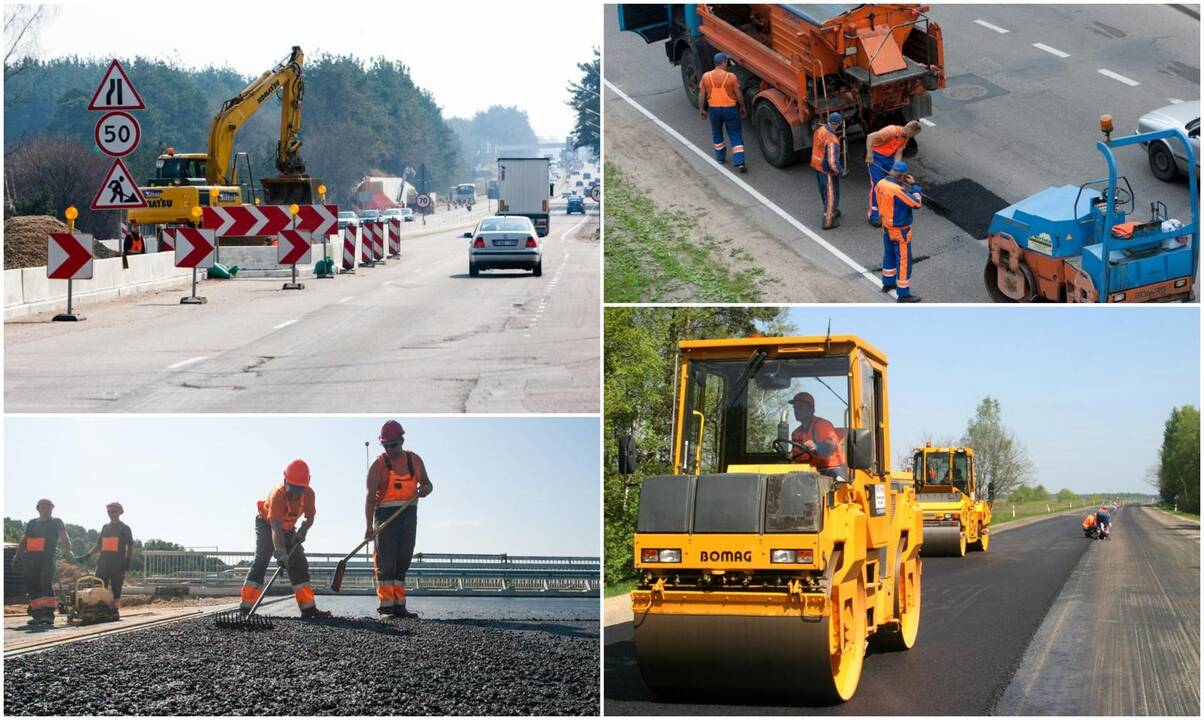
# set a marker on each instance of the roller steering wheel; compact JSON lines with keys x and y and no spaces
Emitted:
{"x":785,"y":448}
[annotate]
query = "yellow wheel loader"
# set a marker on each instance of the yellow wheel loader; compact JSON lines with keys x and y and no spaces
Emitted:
{"x":779,"y":546}
{"x":956,"y":517}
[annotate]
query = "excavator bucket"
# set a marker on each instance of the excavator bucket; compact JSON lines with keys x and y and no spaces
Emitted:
{"x":286,"y":190}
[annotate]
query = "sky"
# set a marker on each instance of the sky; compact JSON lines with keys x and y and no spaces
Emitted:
{"x":522,"y":486}
{"x":469,"y":55}
{"x":1086,"y":389}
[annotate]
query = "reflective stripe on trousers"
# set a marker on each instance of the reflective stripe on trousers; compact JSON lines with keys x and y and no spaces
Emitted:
{"x":896,"y":259}
{"x":829,"y":195}
{"x":729,"y":118}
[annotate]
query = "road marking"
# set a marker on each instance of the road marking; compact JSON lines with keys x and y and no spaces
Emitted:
{"x":387,"y":282}
{"x":756,"y":194}
{"x":189,"y":361}
{"x":1174,"y":101}
{"x":283,"y":324}
{"x":927,"y":122}
{"x":989,"y":26}
{"x":1051,"y":50}
{"x":349,"y":297}
{"x":1117,"y":76}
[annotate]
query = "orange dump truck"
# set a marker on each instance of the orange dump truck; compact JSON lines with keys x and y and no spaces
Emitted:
{"x":875,"y":64}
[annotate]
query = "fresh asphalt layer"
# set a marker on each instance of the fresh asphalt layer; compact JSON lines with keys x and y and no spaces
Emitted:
{"x":979,"y":614}
{"x":414,"y":335}
{"x":1026,"y":86}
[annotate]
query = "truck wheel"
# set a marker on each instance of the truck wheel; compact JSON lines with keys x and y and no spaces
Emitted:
{"x":984,"y":539}
{"x":690,"y":76}
{"x":774,"y":136}
{"x":1162,"y":162}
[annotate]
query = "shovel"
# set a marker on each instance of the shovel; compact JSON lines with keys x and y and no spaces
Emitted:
{"x":336,"y":583}
{"x":236,"y":620}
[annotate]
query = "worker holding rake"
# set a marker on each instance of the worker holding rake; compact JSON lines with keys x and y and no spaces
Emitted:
{"x":395,"y":480}
{"x":276,"y":536}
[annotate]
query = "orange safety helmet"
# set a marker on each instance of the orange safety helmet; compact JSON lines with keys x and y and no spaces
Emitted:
{"x":803,"y":397}
{"x":391,"y":432}
{"x":297,"y":473}
{"x":44,"y":501}
{"x":115,"y":506}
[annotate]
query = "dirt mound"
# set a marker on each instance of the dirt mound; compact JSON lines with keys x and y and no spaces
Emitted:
{"x":25,"y":241}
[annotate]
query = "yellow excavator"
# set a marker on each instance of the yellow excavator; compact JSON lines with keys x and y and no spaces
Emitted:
{"x":770,"y":557}
{"x":186,"y":180}
{"x":956,"y":516}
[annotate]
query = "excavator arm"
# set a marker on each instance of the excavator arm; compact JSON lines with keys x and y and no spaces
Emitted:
{"x":284,"y":78}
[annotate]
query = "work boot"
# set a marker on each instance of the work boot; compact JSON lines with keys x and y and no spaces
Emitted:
{"x":838,"y":214}
{"x":835,"y":224}
{"x":876,"y":222}
{"x":888,"y":288}
{"x":313,"y":613}
{"x":742,"y":168}
{"x":401,"y":612}
{"x":908,"y":299}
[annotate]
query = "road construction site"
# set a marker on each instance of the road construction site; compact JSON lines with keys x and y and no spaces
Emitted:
{"x":1047,"y":622}
{"x":1025,"y":88}
{"x":415,"y":334}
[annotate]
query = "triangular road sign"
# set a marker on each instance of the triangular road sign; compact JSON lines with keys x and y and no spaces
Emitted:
{"x":118,"y":191}
{"x":115,"y":91}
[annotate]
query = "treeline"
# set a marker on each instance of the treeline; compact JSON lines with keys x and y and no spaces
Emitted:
{"x":358,"y":117}
{"x":1177,"y":474}
{"x":84,"y":539}
{"x":496,"y":125}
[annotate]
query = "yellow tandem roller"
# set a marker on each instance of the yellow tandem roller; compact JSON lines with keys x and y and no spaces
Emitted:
{"x":956,"y":517}
{"x":768,"y":559}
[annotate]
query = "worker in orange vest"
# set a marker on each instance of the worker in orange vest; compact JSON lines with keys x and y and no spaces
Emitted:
{"x":36,"y":550}
{"x":133,"y":241}
{"x":897,"y":195}
{"x":719,"y":98}
{"x":883,"y":148}
{"x":116,"y":547}
{"x":276,"y":536}
{"x":825,"y":160}
{"x":395,"y":477}
{"x":815,"y":440}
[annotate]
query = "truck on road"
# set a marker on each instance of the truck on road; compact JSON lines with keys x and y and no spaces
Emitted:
{"x":525,"y":188}
{"x":875,"y":64}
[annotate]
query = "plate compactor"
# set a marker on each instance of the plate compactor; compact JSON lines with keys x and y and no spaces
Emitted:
{"x":1083,"y":244}
{"x":91,"y":604}
{"x":771,"y":556}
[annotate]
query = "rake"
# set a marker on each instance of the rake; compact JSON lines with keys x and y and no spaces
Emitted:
{"x":336,"y":582}
{"x":236,"y":620}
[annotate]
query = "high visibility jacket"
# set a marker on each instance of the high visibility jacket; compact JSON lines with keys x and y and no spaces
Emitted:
{"x":1089,"y":522}
{"x":136,"y":245}
{"x":397,"y":485}
{"x":825,"y":151}
{"x":895,"y":203}
{"x":719,"y":87}
{"x":280,"y":507}
{"x":115,"y":537}
{"x":819,"y":432}
{"x":42,"y":536}
{"x":895,"y":140}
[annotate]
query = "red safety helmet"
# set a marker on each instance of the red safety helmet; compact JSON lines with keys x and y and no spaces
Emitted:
{"x":115,"y":506}
{"x":803,"y":397}
{"x":297,"y":473}
{"x":391,"y":432}
{"x":44,"y":501}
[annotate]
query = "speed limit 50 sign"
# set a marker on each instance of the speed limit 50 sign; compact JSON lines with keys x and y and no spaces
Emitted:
{"x":117,"y":134}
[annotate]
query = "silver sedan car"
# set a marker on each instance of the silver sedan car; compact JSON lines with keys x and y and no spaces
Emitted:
{"x":504,"y":242}
{"x":1168,"y":159}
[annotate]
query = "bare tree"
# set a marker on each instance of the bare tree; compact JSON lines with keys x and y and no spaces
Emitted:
{"x":999,"y":457}
{"x":21,"y":26}
{"x":62,"y":171}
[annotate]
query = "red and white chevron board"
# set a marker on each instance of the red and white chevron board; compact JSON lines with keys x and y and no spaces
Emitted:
{"x":194,"y":247}
{"x":394,"y":237}
{"x":292,"y":247}
{"x":69,"y":256}
{"x":348,"y":248}
{"x":166,"y":243}
{"x":269,"y":220}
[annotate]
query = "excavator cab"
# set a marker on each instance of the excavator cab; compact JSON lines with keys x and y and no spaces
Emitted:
{"x":182,"y":169}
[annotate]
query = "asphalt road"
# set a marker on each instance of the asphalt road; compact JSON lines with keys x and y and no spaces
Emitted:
{"x":979,"y":615}
{"x":416,"y":335}
{"x":1013,"y":118}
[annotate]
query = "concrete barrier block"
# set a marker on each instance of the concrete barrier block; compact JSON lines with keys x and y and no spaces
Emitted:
{"x":35,"y":287}
{"x":14,"y":292}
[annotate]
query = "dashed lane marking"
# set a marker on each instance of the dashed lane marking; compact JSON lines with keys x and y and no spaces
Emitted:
{"x":284,"y":324}
{"x":349,"y":297}
{"x":989,"y":26}
{"x":189,"y":361}
{"x":1051,"y":50}
{"x":1117,"y":76}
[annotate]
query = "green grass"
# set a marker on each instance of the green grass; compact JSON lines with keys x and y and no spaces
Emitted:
{"x":655,"y":254}
{"x":1180,"y":513}
{"x":619,"y":588}
{"x":1001,"y":513}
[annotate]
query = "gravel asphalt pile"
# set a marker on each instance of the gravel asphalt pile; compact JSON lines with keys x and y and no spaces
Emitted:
{"x":341,"y":666}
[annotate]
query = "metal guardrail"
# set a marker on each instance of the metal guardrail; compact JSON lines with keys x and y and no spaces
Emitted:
{"x":429,"y":572}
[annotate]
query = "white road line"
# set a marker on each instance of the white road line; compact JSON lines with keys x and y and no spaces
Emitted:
{"x":1174,"y":101}
{"x":189,"y":361}
{"x":283,"y":324}
{"x":387,"y":282}
{"x":927,"y":122}
{"x":722,"y":169}
{"x":1051,"y":50}
{"x":1117,"y":76}
{"x":349,"y":297}
{"x":989,"y":26}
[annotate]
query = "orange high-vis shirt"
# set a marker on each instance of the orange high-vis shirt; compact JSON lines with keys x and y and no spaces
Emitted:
{"x":897,"y":140}
{"x":719,"y":87}
{"x":280,"y":508}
